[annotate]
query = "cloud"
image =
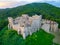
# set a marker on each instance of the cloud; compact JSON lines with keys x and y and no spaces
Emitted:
{"x":29,"y":0}
{"x":11,"y":4}
{"x":14,"y":3}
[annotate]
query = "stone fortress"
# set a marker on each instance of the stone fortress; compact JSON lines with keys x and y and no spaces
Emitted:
{"x":26,"y":25}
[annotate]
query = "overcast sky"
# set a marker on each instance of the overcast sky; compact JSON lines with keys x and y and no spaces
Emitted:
{"x":14,"y":3}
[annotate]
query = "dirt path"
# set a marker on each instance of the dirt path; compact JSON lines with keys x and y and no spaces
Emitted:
{"x":57,"y":37}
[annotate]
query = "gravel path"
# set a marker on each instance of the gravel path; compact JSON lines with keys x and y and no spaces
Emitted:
{"x":57,"y":37}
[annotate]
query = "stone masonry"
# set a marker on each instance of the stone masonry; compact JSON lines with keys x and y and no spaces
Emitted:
{"x":26,"y":25}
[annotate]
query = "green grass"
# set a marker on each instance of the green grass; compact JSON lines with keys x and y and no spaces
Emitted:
{"x":39,"y":38}
{"x":10,"y":37}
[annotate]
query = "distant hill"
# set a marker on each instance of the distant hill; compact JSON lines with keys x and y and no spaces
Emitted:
{"x":33,"y":8}
{"x":47,"y":10}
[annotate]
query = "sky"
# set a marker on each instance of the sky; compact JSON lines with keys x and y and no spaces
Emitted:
{"x":14,"y":3}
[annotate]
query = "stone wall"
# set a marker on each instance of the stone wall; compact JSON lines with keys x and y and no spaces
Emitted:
{"x":25,"y":25}
{"x":49,"y":26}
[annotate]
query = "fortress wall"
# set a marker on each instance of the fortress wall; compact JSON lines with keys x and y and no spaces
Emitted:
{"x":26,"y":25}
{"x":46,"y":26}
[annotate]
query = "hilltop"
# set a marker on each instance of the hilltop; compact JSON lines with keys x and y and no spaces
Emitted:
{"x":47,"y":11}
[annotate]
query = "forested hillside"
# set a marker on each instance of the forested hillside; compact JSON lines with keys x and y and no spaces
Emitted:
{"x":10,"y":37}
{"x":48,"y":11}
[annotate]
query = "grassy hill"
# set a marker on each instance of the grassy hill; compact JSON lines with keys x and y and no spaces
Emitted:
{"x":10,"y":37}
